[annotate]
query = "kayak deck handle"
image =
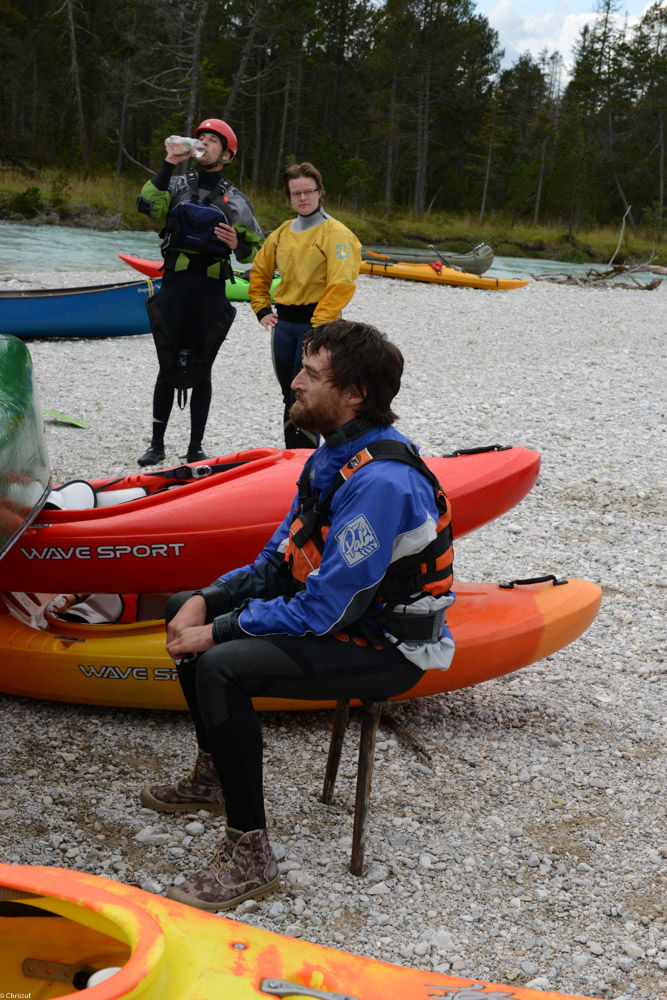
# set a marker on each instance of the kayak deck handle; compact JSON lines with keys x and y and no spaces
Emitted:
{"x":283,"y":988}
{"x":534,"y":579}
{"x":479,"y":450}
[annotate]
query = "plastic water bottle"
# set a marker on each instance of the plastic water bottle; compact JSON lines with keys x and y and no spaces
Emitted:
{"x":182,"y":144}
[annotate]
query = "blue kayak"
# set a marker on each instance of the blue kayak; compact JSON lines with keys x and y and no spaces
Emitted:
{"x":117,"y":310}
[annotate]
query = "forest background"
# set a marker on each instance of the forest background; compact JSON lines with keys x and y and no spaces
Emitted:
{"x":419,"y":134}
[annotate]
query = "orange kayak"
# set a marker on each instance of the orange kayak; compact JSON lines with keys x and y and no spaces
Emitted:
{"x":65,"y":931}
{"x":181,"y":533}
{"x":151,"y":268}
{"x":435,"y":272}
{"x":496,"y":629}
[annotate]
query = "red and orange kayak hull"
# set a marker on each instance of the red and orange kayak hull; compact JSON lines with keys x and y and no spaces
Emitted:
{"x":496,"y":631}
{"x":183,"y":537}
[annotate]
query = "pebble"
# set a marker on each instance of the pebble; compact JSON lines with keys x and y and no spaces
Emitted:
{"x":529,"y":968}
{"x":195,"y":829}
{"x":149,"y":835}
{"x":379,"y":889}
{"x":537,"y":834}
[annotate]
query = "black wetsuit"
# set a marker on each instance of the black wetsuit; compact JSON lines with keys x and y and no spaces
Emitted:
{"x":190,"y":314}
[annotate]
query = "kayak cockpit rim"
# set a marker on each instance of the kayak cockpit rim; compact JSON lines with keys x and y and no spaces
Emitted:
{"x":34,"y":513}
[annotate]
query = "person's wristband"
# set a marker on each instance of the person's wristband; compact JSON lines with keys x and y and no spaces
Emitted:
{"x":216,"y":598}
{"x":226,"y":627}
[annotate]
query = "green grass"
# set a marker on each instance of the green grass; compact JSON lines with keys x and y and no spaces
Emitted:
{"x":64,"y":197}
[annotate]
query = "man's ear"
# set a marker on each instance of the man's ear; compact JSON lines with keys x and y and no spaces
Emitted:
{"x":356,"y":394}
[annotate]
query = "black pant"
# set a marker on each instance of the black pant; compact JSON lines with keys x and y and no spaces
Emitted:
{"x":163,"y":401}
{"x":287,"y":348}
{"x":219,"y":685}
{"x":189,"y":312}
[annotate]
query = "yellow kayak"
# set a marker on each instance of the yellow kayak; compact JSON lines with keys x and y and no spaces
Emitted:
{"x":435,"y":272}
{"x":62,"y":932}
{"x":496,"y":628}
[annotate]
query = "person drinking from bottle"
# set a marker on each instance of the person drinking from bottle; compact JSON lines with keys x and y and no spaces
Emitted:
{"x":206,"y":219}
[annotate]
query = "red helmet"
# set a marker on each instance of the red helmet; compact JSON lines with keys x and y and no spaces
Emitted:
{"x":221,"y":129}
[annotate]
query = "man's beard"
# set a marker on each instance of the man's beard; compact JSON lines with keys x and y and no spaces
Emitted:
{"x":302,"y":417}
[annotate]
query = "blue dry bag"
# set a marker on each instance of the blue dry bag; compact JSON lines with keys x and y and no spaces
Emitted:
{"x":195,"y":223}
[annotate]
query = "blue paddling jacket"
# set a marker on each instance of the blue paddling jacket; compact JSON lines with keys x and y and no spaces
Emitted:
{"x":385,"y":515}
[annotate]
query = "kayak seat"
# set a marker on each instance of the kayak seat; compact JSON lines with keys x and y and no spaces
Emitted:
{"x":80,"y":495}
{"x":95,"y":609}
{"x":151,"y":607}
{"x":109,"y":609}
{"x":77,"y":495}
{"x":107,"y":498}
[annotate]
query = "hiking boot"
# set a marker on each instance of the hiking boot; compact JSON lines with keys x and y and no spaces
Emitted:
{"x":200,"y":790}
{"x":196,"y":455}
{"x":154,"y":455}
{"x":243,"y":867}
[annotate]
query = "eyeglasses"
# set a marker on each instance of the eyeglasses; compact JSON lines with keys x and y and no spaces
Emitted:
{"x":304,"y":194}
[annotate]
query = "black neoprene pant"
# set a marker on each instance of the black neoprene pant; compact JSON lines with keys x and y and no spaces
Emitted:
{"x":163,"y":401}
{"x":188,"y":308}
{"x":220,"y":684}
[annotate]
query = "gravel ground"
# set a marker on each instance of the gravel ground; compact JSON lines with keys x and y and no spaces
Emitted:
{"x":532,"y":851}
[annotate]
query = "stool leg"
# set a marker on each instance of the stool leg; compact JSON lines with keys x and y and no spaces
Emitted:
{"x":339,"y":725}
{"x":369,"y":724}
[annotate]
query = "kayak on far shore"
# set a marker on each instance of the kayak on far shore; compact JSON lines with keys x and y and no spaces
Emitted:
{"x":373,"y":264}
{"x":436,"y":272}
{"x":475,"y":261}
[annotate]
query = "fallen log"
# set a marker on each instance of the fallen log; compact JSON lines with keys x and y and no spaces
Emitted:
{"x":608,"y":278}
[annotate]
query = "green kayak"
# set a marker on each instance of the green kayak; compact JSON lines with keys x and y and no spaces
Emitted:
{"x":25,"y":479}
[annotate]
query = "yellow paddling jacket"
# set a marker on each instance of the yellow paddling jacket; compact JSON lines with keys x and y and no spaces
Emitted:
{"x":317,"y":265}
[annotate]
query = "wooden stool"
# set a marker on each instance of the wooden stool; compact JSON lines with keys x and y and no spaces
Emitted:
{"x":370,"y":719}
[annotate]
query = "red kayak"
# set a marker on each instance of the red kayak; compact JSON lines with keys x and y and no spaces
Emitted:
{"x":175,"y":529}
{"x":152,"y":268}
{"x":236,"y":290}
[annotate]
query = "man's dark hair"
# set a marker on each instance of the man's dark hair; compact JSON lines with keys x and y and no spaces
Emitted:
{"x":361,"y":358}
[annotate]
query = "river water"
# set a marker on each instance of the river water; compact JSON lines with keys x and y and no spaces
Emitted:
{"x":64,"y":248}
{"x":34,"y":249}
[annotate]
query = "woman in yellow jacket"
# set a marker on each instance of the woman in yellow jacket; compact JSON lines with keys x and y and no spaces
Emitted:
{"x":318,"y":259}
